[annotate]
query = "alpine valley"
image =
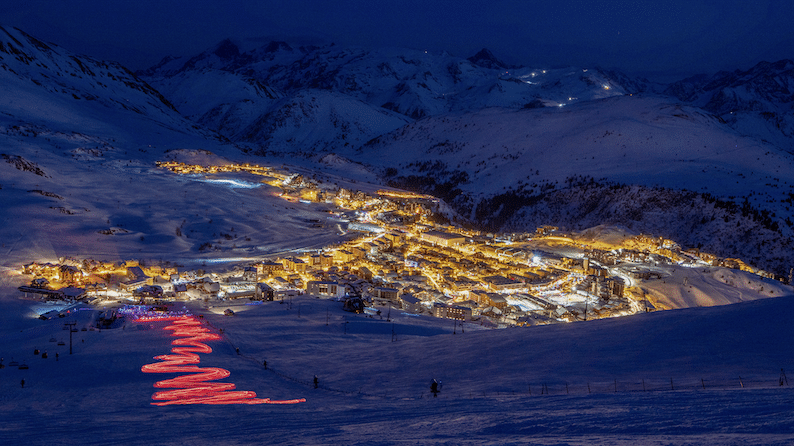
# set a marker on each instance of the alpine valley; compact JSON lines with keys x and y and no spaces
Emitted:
{"x":284,"y":193}
{"x":705,"y":161}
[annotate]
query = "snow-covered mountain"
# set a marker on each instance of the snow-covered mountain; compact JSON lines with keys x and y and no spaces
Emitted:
{"x":410,"y":83}
{"x":80,"y":139}
{"x":39,"y":79}
{"x":509,"y":147}
{"x":758,"y":102}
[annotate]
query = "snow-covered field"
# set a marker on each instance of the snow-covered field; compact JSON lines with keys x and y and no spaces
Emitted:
{"x":579,"y":383}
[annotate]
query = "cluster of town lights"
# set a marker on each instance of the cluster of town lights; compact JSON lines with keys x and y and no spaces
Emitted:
{"x":193,"y":386}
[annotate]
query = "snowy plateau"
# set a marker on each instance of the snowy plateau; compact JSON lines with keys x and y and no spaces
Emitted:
{"x":706,"y":162}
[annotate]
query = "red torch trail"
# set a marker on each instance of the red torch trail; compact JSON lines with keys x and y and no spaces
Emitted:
{"x":192,"y":387}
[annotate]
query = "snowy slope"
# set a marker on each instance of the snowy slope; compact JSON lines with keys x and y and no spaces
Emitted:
{"x":37,"y":76}
{"x":317,"y":121}
{"x":756,"y":102}
{"x":710,"y":376}
{"x":78,"y":177}
{"x":631,"y":139}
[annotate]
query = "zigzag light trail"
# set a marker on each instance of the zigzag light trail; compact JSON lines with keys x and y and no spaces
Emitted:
{"x":192,"y":387}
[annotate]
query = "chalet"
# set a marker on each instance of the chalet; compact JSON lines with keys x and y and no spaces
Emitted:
{"x":263,"y":291}
{"x":135,"y":279}
{"x":148,"y":292}
{"x":180,"y":291}
{"x":40,"y":283}
{"x":69,"y":274}
{"x":249,"y":274}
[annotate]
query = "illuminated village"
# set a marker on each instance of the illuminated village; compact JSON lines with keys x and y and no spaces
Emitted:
{"x":398,"y":258}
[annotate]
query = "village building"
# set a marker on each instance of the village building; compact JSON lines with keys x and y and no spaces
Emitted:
{"x":395,"y":238}
{"x":385,"y":293}
{"x":526,"y":277}
{"x":136,"y":278}
{"x":180,"y":291}
{"x":280,"y":283}
{"x":249,"y":274}
{"x":365,"y":273}
{"x":165,"y":284}
{"x":463,"y":284}
{"x":69,"y":274}
{"x":321,"y":260}
{"x":148,"y":293}
{"x":268,"y":268}
{"x":240,"y":294}
{"x":410,"y":303}
{"x":501,"y":283}
{"x":326,"y":289}
{"x":263,"y":291}
{"x":295,"y":264}
{"x":343,"y":256}
{"x":452,"y":312}
{"x":442,"y":238}
{"x":359,"y":252}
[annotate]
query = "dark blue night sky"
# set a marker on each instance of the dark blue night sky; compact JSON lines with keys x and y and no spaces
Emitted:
{"x":659,"y":39}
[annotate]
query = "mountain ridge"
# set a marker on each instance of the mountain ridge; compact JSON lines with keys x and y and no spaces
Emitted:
{"x":498,"y":160}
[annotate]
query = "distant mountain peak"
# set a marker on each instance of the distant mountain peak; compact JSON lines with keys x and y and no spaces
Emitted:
{"x":275,"y":46}
{"x":227,"y":50}
{"x":485,"y":58}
